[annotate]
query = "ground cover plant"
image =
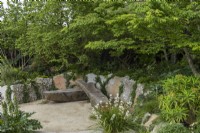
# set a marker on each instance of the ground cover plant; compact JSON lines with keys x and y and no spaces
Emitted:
{"x":173,"y":128}
{"x":114,"y":116}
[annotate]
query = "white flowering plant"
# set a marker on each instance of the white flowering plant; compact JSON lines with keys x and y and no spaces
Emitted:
{"x":114,"y":116}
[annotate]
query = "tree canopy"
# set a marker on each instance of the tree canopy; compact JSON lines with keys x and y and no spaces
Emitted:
{"x":106,"y":35}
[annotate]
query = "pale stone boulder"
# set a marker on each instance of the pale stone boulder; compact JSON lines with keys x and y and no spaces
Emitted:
{"x":152,"y":118}
{"x":91,"y":78}
{"x":127,"y":89}
{"x":145,"y":118}
{"x":60,"y":82}
{"x":139,"y":91}
{"x":113,"y":86}
{"x":44,"y":84}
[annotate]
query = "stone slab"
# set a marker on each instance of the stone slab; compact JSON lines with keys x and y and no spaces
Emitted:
{"x":68,"y":95}
{"x":94,"y":94}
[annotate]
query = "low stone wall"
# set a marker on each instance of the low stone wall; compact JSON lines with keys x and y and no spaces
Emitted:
{"x":24,"y":93}
{"x":44,"y":84}
{"x":30,"y":92}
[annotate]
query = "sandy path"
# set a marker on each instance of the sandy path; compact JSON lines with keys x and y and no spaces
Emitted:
{"x":59,"y":117}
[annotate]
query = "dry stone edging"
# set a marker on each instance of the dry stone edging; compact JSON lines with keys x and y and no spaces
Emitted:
{"x":42,"y":84}
{"x":19,"y":94}
{"x":92,"y":91}
{"x":112,"y":88}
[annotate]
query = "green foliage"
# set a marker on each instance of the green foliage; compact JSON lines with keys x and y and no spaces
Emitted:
{"x":52,"y":37}
{"x":148,"y":103}
{"x":14,"y":120}
{"x":133,"y":92}
{"x":13,"y":75}
{"x":103,"y":84}
{"x":36,"y":90}
{"x":53,"y":88}
{"x":9,"y":74}
{"x":114,"y":116}
{"x":179,"y":103}
{"x":70,"y":76}
{"x":173,"y":128}
{"x":121,"y":89}
{"x":26,"y":97}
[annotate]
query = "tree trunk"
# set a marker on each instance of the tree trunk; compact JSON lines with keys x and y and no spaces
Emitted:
{"x":190,"y":62}
{"x":173,"y":58}
{"x":165,"y":54}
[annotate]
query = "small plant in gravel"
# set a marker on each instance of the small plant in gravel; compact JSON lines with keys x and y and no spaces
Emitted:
{"x":114,"y":116}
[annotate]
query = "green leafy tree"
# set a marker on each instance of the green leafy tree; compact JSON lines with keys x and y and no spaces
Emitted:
{"x":54,"y":36}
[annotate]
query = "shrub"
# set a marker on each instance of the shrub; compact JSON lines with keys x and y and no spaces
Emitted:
{"x":195,"y":127}
{"x":114,"y":116}
{"x":14,"y":120}
{"x":9,"y":74}
{"x":180,"y":101}
{"x":174,"y":128}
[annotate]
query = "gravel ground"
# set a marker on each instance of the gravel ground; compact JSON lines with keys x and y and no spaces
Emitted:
{"x":62,"y":117}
